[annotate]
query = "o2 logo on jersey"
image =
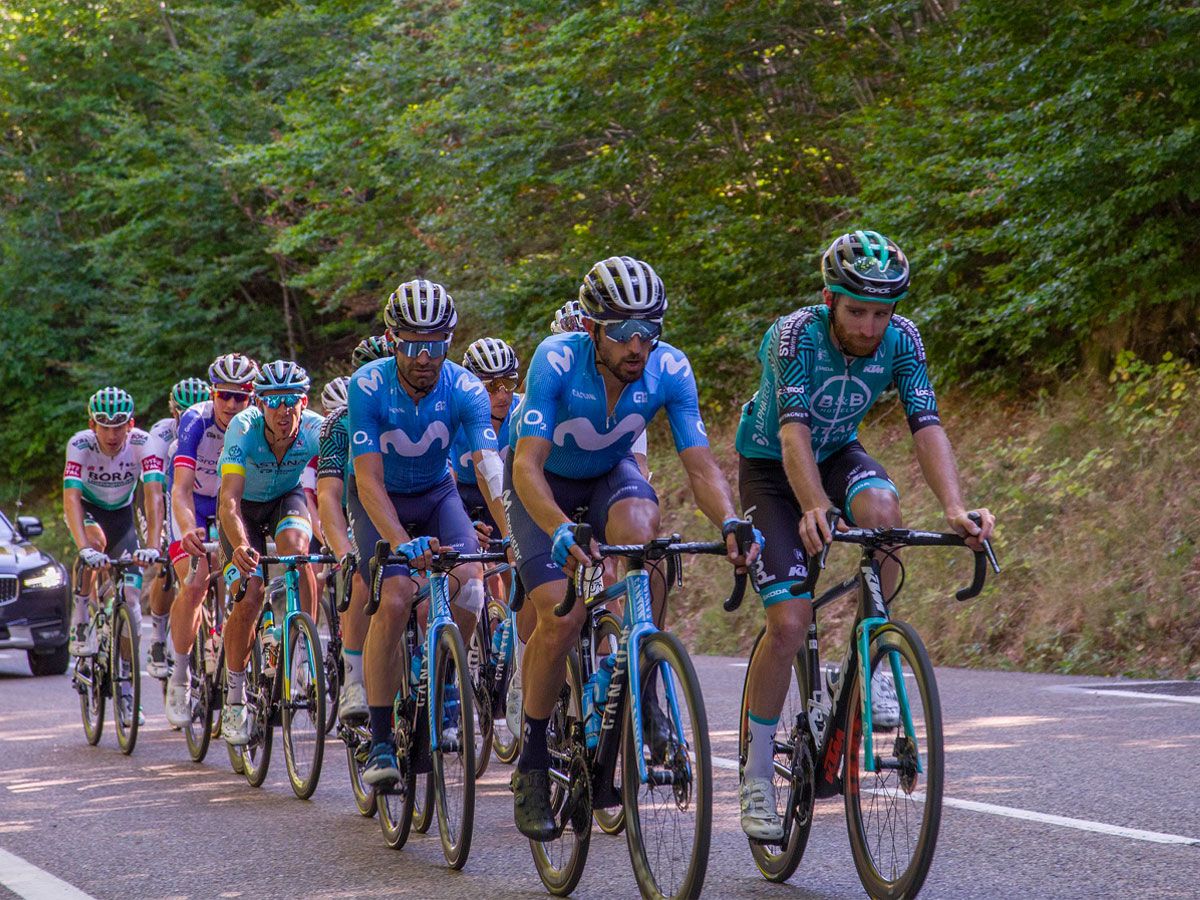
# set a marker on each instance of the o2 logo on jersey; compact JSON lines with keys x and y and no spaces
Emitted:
{"x":490,"y":433}
{"x":533,"y":418}
{"x":360,"y":438}
{"x":840,"y":399}
{"x":561,"y":362}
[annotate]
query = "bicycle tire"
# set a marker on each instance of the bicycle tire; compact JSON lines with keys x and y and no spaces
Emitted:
{"x":89,"y":681}
{"x":505,"y":744}
{"x":478,"y":658}
{"x":198,"y":731}
{"x":356,"y":761}
{"x":606,"y":640}
{"x":333,"y":664}
{"x":423,"y":803}
{"x":261,"y":694}
{"x":875,"y":857}
{"x":454,"y":762}
{"x":777,"y":862}
{"x":303,"y":712}
{"x":127,"y":732}
{"x":395,"y":807}
{"x":237,"y":759}
{"x":679,"y":871}
{"x":560,"y":861}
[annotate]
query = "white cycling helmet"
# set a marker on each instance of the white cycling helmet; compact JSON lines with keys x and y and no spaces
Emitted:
{"x":622,"y":287}
{"x":282,"y":375}
{"x":490,"y":358}
{"x":568,"y":317}
{"x":334,"y":397}
{"x":421,"y":306}
{"x":370,"y":349}
{"x":232,"y":368}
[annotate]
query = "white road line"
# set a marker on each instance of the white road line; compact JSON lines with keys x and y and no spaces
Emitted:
{"x":1132,"y":695}
{"x":26,"y":880}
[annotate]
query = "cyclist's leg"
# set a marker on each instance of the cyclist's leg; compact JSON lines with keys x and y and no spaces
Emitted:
{"x":86,"y":580}
{"x":238,"y":634}
{"x":185,"y":611}
{"x":623,"y":509}
{"x":860,"y":486}
{"x":446,"y":518}
{"x":293,"y":533}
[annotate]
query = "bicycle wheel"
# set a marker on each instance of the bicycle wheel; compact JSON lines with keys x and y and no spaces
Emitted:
{"x":778,"y":862}
{"x":237,"y":760}
{"x":357,"y":748}
{"x":333,"y":664}
{"x":452,"y":696}
{"x":893,"y":814}
{"x":560,"y":860}
{"x":198,"y":731}
{"x":668,"y":820}
{"x":395,"y":805}
{"x":261,"y":694}
{"x":423,"y":803}
{"x":89,"y":681}
{"x":480,"y":667}
{"x":126,"y":677}
{"x":303,"y":706}
{"x":607,"y":639}
{"x":506,"y":744}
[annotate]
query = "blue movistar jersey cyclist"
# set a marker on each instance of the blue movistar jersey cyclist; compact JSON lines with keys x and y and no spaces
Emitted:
{"x":464,"y":469}
{"x":807,"y":379}
{"x":415,"y":437}
{"x":565,"y":403}
{"x":247,"y":453}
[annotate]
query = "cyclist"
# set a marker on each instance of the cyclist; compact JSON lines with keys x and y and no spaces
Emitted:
{"x":266,"y":449}
{"x":334,"y":477}
{"x":404,"y":413}
{"x":104,"y":463}
{"x":184,"y":394}
{"x":824,"y":367}
{"x":588,"y":396}
{"x":196,"y":479}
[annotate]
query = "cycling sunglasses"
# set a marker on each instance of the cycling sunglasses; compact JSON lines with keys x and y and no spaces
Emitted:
{"x":274,"y":401}
{"x":624,"y":330}
{"x":235,"y":396}
{"x":436,"y":349}
{"x":110,"y":421}
{"x":500,"y":384}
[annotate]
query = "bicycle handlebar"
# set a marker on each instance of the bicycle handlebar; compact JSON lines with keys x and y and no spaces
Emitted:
{"x":299,"y":559}
{"x":443,"y":561}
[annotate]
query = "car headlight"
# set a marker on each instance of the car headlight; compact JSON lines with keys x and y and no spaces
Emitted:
{"x":46,"y":577}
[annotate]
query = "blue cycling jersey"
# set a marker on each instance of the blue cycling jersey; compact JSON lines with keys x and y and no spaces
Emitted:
{"x":416,"y":436}
{"x":247,"y":453}
{"x":565,"y":403}
{"x":806,"y":379}
{"x":464,"y":468}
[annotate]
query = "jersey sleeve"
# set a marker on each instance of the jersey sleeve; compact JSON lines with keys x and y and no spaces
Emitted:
{"x":335,"y":444}
{"x":150,"y":453}
{"x":365,"y":422}
{"x":233,"y":451}
{"x":191,"y":430}
{"x":73,"y":470}
{"x":474,"y":413}
{"x":683,"y":403}
{"x":911,"y":376}
{"x":543,"y":388}
{"x":790,"y":356}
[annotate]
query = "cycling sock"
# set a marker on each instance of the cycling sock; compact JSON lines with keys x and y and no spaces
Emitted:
{"x":79,"y":610}
{"x":160,"y":626}
{"x":381,"y":723}
{"x":520,"y":659}
{"x":235,"y":687}
{"x":179,"y":675}
{"x":352,"y":662}
{"x":760,"y":750}
{"x":534,"y":752}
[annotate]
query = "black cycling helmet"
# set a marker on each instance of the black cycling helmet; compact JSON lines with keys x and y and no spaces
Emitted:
{"x":866,"y":266}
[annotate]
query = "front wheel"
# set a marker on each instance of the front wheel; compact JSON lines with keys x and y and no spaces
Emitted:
{"x":357,"y":747}
{"x":452,"y":696}
{"x":89,"y":681}
{"x":481,"y":686}
{"x":893,"y":813}
{"x":608,"y":640}
{"x":126,"y":674}
{"x":261,"y":694}
{"x":198,"y":731}
{"x":668,"y":819}
{"x":303,"y":702}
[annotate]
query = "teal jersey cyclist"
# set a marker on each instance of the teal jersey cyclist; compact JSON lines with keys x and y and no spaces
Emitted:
{"x":799,"y":454}
{"x":266,"y":450}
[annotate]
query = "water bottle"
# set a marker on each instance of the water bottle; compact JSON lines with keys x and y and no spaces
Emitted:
{"x":270,"y":641}
{"x":594,"y":697}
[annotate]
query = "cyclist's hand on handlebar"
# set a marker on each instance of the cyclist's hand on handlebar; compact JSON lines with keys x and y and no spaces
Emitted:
{"x":566,"y":552}
{"x":193,"y":542}
{"x":484,"y":531}
{"x":975,"y":534}
{"x":814,"y":528}
{"x":245,"y":560}
{"x":420,"y":551}
{"x":146,"y":556}
{"x":93,"y":558}
{"x":741,"y":561}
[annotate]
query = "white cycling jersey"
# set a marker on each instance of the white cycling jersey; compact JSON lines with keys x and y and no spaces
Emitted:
{"x":109,"y":481}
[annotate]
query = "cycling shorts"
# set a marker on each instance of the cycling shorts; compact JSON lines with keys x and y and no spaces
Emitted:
{"x":263,"y":518}
{"x":120,"y":532}
{"x":532,"y":545}
{"x":204,"y":508}
{"x":769,"y":503}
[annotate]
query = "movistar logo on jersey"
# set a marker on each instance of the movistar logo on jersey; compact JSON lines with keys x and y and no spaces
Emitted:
{"x":398,"y":442}
{"x":561,"y":362}
{"x":371,"y":380}
{"x":466,"y":382}
{"x":673,"y":365}
{"x":588,"y":438}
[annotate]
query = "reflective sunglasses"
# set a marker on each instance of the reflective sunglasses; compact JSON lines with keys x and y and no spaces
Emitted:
{"x":232,"y":396}
{"x":110,"y":421}
{"x":436,"y":349}
{"x":494,"y":385}
{"x":624,"y":330}
{"x":274,"y":401}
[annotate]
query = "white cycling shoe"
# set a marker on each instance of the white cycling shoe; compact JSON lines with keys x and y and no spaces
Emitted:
{"x":352,"y":704}
{"x":235,"y":725}
{"x":83,"y":641}
{"x":760,"y":820}
{"x":178,"y":705}
{"x":885,"y":705}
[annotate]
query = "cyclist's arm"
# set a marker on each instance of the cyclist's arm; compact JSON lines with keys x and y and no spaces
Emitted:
{"x":494,"y":504}
{"x":800,"y":465}
{"x":333,"y":519}
{"x":73,"y":512}
{"x":940,"y":469}
{"x":709,"y":485}
{"x":372,"y":494}
{"x":152,"y":500}
{"x":229,"y":509}
{"x":182,"y":504}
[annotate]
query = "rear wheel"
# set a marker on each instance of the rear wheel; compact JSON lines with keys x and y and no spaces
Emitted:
{"x":452,"y":696}
{"x":395,"y":805}
{"x":480,"y":667}
{"x":261,"y":693}
{"x":198,"y":730}
{"x":778,"y":862}
{"x":894,"y":813}
{"x":237,"y":759}
{"x":356,"y":760}
{"x":506,"y":744}
{"x":333,"y":661}
{"x":89,"y":681}
{"x":423,"y":804}
{"x":126,"y":674}
{"x":303,"y":706}
{"x":607,"y":639}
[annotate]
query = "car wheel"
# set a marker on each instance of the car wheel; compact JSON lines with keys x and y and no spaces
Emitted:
{"x":49,"y":662}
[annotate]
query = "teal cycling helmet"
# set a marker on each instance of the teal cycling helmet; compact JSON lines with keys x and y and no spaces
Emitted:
{"x":377,"y":346}
{"x":282,"y":375}
{"x":110,"y":406}
{"x":189,"y":392}
{"x":866,"y":266}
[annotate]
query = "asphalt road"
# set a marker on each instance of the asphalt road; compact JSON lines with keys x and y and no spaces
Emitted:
{"x":1052,"y":791}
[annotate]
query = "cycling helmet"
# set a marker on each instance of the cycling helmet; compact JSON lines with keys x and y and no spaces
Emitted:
{"x":568,"y":317}
{"x":112,"y":404}
{"x":370,"y":349}
{"x":333,"y":397}
{"x":490,"y":358}
{"x":866,"y":266}
{"x":622,"y":287}
{"x":421,"y":306}
{"x":189,"y":392}
{"x":282,"y":375}
{"x":232,"y":368}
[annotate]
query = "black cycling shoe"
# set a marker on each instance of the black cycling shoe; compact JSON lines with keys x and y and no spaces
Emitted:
{"x":531,"y":805}
{"x":657,"y":729}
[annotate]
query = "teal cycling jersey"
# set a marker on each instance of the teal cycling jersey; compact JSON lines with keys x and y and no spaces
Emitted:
{"x":806,"y":379}
{"x":415,"y":436}
{"x":464,"y":467}
{"x":565,"y":403}
{"x":247,"y":453}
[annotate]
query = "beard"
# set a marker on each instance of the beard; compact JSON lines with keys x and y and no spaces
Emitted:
{"x":853,"y":346}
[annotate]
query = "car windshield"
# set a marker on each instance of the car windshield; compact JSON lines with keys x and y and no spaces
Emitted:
{"x":6,"y":530}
